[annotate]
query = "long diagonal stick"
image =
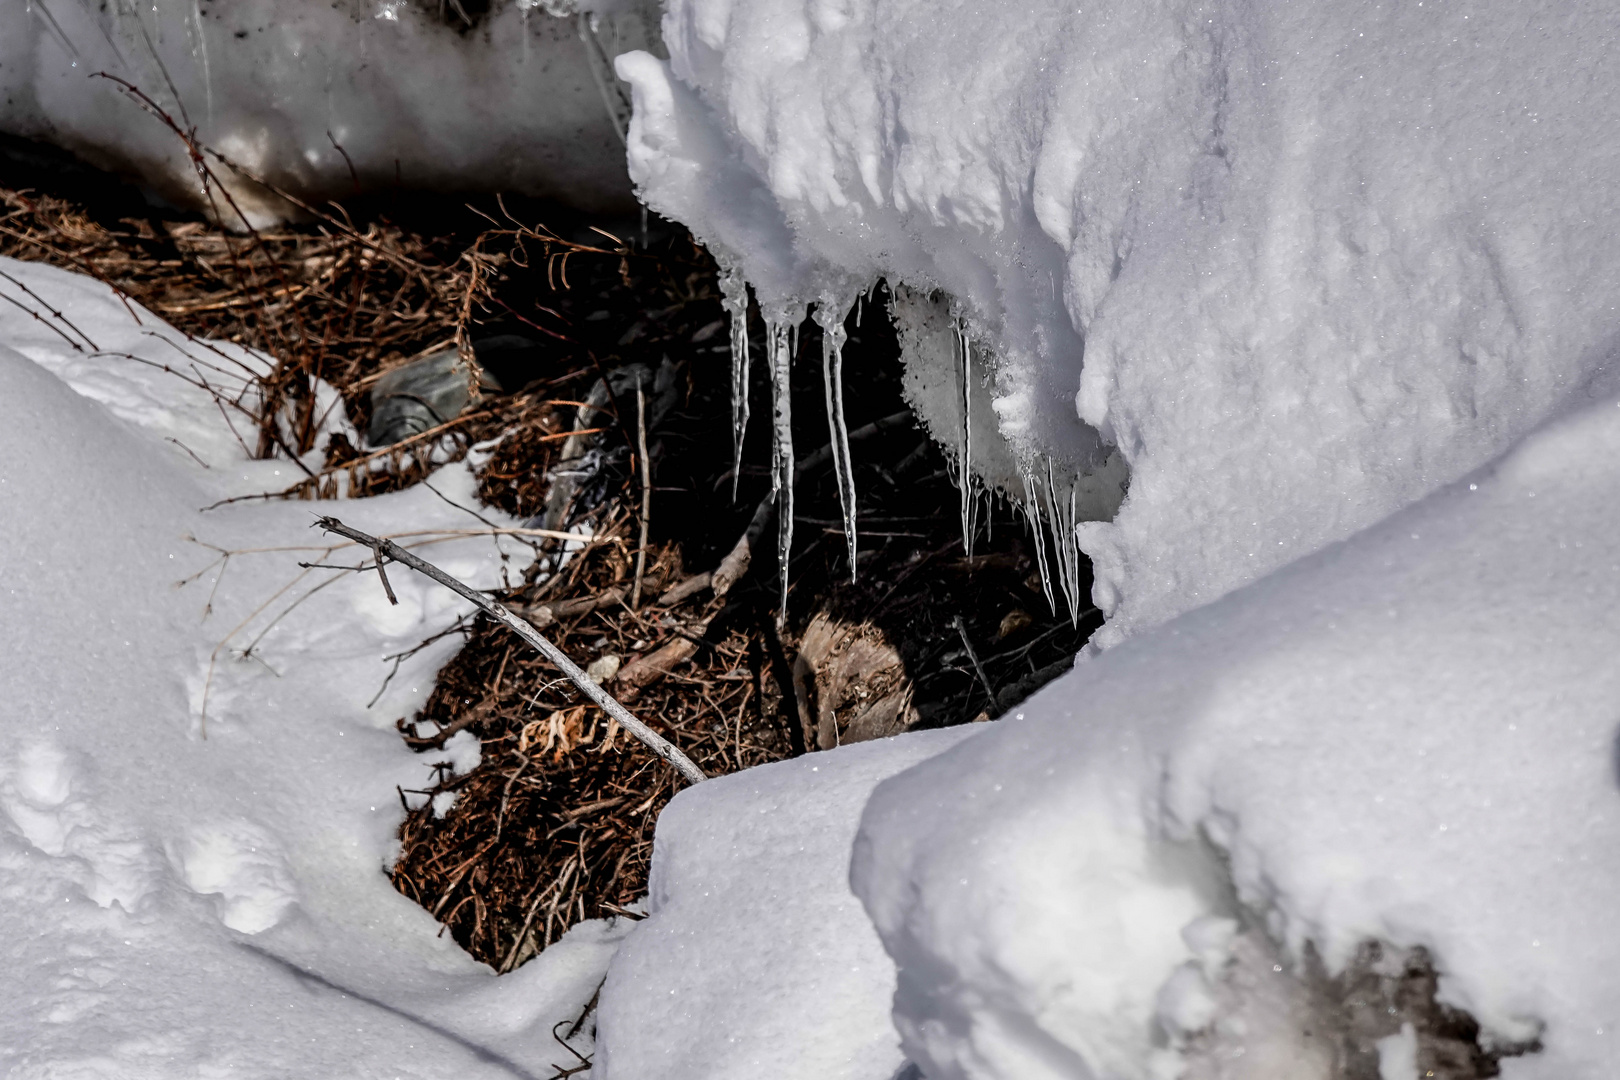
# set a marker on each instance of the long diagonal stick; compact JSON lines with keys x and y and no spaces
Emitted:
{"x":654,"y":741}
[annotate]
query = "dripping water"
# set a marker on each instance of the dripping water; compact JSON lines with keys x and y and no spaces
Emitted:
{"x":54,"y":28}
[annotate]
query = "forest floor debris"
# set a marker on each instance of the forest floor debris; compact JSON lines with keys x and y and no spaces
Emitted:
{"x":555,"y":825}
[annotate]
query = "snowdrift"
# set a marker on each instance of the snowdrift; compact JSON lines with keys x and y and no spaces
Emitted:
{"x":756,"y":960}
{"x":1408,"y":737}
{"x":325,"y":99}
{"x":1295,"y":265}
{"x":180,"y":905}
{"x":1159,"y":865}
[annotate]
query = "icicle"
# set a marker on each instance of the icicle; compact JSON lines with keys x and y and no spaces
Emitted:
{"x":779,"y":338}
{"x":964,"y":463}
{"x":734,"y":299}
{"x":1066,"y":549}
{"x":1032,"y":512}
{"x":199,"y":53}
{"x":830,"y":317}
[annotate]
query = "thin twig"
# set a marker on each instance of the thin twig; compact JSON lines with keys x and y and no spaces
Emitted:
{"x":967,"y":644}
{"x":660,"y":746}
{"x":646,"y":492}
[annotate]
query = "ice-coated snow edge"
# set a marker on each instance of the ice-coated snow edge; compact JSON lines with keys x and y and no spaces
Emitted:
{"x":1298,"y":267}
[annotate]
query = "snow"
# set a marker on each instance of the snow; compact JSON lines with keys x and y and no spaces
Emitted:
{"x":1156,"y":867}
{"x":189,"y":896}
{"x":1296,"y":266}
{"x":755,"y":959}
{"x":1397,"y":1055}
{"x":301,"y":91}
{"x":1333,"y":284}
{"x":1407,"y":737}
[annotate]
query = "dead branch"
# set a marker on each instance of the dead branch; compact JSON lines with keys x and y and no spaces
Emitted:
{"x":654,"y":742}
{"x":545,"y":614}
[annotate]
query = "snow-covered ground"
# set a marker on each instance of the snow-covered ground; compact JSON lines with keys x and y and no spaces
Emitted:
{"x":757,"y":960}
{"x":1336,"y":282}
{"x":1409,"y":737}
{"x":1406,"y":738}
{"x":189,"y":906}
{"x":301,"y":92}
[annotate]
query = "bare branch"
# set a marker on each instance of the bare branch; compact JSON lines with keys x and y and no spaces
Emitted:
{"x":660,"y":746}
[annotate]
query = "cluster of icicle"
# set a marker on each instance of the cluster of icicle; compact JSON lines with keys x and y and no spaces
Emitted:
{"x":781,"y":342}
{"x":1041,"y":504}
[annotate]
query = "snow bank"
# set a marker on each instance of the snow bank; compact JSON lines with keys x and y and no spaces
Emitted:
{"x":1299,"y":265}
{"x":524,"y":100}
{"x":756,"y":960}
{"x":186,"y":906}
{"x":1408,"y":737}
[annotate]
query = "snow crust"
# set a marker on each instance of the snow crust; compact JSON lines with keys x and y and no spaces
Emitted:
{"x":756,"y":959}
{"x":1298,"y":265}
{"x":189,"y":906}
{"x":1406,"y":737}
{"x":524,"y":101}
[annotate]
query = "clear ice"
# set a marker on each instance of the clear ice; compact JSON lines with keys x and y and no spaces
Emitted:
{"x":964,"y":456}
{"x":830,"y":316}
{"x":779,"y":338}
{"x":734,"y":299}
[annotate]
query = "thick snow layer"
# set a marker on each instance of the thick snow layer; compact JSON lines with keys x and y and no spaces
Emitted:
{"x":302,"y":91}
{"x":756,"y":960}
{"x":179,"y":905}
{"x":1408,"y":737}
{"x":1301,"y":264}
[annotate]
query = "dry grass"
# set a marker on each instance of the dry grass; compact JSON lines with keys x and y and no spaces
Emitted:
{"x":556,"y":825}
{"x":331,"y":300}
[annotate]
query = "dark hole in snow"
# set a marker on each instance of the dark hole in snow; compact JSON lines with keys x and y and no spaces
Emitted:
{"x":1382,"y":990}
